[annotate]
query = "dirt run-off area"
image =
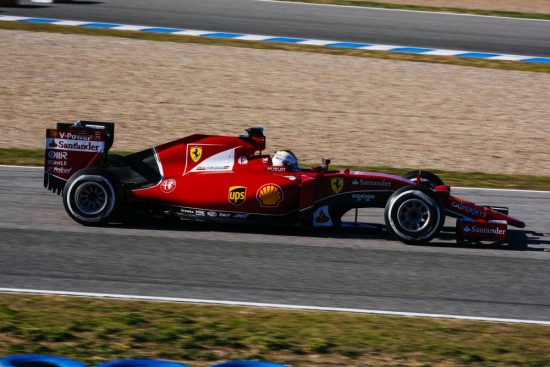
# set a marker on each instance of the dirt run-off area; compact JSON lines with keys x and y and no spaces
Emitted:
{"x":357,"y":111}
{"x":523,"y":6}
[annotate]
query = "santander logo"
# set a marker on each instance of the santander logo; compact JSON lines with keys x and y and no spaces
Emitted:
{"x":478,"y":230}
{"x":322,"y":217}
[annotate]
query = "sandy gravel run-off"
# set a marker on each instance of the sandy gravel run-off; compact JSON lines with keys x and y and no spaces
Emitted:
{"x":524,"y":6}
{"x":354,"y":110}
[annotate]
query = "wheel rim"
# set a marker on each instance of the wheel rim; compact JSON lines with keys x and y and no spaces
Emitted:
{"x":91,"y":198}
{"x":414,"y":215}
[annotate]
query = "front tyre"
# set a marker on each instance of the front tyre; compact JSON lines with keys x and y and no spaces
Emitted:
{"x":414,"y":214}
{"x":92,"y":196}
{"x":426,"y":178}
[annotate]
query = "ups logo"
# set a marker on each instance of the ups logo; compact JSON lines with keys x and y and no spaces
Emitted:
{"x":237,"y":195}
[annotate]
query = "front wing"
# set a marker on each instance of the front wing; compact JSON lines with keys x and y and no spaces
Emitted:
{"x":480,"y":223}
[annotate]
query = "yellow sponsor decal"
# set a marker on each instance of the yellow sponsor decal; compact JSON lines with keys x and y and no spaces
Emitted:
{"x":237,"y":195}
{"x":195,"y":153}
{"x":337,"y":184}
{"x":270,"y":195}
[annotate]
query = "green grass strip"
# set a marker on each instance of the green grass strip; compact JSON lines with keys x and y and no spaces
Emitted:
{"x":35,"y":157}
{"x":448,"y":60}
{"x":95,"y":330}
{"x":22,"y":157}
{"x":442,"y":9}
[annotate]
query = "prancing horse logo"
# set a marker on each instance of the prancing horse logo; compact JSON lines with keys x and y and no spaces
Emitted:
{"x":337,"y":183}
{"x":196,"y":153}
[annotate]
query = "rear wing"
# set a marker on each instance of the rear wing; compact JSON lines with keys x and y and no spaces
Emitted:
{"x":73,"y":146}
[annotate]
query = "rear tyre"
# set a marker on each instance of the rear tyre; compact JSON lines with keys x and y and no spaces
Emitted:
{"x":414,"y":214}
{"x":92,"y":196}
{"x":426,"y":178}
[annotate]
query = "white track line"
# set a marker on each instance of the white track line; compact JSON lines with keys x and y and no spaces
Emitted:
{"x":505,"y":190}
{"x":267,"y":305}
{"x":16,"y":166}
{"x":399,"y":10}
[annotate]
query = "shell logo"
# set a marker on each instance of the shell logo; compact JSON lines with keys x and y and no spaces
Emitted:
{"x":270,"y":195}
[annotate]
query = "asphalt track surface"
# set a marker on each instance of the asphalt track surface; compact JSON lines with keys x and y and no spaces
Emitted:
{"x":42,"y":248}
{"x":347,"y":24}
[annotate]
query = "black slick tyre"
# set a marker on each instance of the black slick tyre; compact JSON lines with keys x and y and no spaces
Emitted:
{"x":414,"y":214}
{"x":92,"y":196}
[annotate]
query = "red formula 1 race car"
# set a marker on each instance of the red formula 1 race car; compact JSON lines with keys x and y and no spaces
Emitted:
{"x":229,"y":179}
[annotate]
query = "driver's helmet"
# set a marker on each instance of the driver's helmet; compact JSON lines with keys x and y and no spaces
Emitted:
{"x":287,"y":159}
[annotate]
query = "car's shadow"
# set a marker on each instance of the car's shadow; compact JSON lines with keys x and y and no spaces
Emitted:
{"x":38,"y":6}
{"x":275,"y":230}
{"x":519,"y":240}
{"x":83,"y":2}
{"x":26,"y":6}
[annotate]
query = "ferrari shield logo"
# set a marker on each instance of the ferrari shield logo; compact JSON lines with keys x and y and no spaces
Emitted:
{"x":196,"y":153}
{"x":337,"y":183}
{"x":237,"y":195}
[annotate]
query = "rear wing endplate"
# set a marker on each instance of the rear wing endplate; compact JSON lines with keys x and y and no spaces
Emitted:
{"x":73,"y":146}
